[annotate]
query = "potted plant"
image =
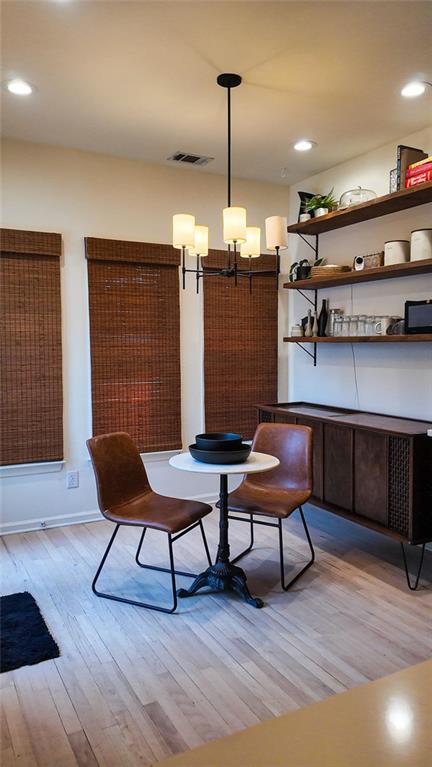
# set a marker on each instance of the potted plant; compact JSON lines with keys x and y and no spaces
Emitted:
{"x":301,"y":270}
{"x":321,"y":204}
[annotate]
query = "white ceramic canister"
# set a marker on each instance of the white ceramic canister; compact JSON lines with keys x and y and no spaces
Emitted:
{"x":396,"y":252}
{"x":421,"y":244}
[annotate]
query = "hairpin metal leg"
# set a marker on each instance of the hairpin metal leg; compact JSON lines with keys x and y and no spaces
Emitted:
{"x":281,"y":557}
{"x":416,"y":582}
{"x":133,"y":601}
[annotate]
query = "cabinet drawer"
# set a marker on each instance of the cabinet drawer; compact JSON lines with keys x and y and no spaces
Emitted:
{"x":338,"y":466}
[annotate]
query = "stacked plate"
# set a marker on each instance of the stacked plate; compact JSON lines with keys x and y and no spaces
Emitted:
{"x":220,"y":448}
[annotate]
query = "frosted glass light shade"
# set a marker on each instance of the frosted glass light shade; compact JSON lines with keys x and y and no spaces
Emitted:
{"x":252,"y":247}
{"x":276,"y":232}
{"x":183,"y":230}
{"x":234,"y":225}
{"x":200,"y":247}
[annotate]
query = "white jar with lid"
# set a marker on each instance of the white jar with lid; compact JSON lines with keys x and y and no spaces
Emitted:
{"x":396,"y":252}
{"x":421,"y":244}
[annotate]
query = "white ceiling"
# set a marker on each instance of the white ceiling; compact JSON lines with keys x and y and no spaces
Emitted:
{"x":138,"y":79}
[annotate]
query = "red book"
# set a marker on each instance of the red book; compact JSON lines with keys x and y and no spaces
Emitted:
{"x":420,"y":179}
{"x":411,"y":172}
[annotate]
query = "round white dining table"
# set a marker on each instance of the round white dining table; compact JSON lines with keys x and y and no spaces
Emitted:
{"x":223,"y":575}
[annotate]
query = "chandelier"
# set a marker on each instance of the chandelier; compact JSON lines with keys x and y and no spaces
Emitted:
{"x":243,"y":241}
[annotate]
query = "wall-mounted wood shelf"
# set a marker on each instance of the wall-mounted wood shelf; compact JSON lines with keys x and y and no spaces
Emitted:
{"x":414,"y":338}
{"x":366,"y":275}
{"x":380,"y":206}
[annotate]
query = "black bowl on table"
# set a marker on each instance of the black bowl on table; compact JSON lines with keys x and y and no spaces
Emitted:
{"x":219,"y":440}
{"x":221,"y":456}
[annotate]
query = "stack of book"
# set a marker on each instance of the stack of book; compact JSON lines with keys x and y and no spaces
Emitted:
{"x":406,"y":156}
{"x":419,"y":172}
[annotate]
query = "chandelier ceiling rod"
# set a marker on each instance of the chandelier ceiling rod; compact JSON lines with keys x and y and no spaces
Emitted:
{"x":228,"y":81}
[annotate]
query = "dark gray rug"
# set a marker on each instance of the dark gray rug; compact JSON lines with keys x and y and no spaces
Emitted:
{"x":24,"y":636}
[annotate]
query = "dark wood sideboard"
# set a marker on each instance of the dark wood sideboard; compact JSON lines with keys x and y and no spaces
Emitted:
{"x":373,"y":469}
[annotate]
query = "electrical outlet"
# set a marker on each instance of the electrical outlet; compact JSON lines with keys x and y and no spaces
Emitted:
{"x":72,"y":479}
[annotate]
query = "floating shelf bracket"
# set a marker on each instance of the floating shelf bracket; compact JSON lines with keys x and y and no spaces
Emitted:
{"x":314,"y":302}
{"x":315,"y":247}
{"x":313,"y":354}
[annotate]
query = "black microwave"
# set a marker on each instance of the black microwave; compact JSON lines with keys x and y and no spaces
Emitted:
{"x":418,"y":316}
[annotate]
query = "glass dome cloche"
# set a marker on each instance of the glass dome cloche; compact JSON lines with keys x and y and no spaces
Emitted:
{"x":356,"y":196}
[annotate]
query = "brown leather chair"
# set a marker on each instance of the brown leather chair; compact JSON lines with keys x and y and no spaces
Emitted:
{"x":126,"y":498}
{"x":279,"y":492}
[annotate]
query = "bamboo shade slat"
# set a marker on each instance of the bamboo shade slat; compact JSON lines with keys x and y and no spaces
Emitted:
{"x":30,"y":347}
{"x":135,"y":345}
{"x":240,"y":351}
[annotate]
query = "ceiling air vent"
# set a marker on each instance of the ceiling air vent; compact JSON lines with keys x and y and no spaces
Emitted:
{"x":190,"y":159}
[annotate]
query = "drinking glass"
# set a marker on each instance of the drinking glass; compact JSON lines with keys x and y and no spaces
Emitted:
{"x":353,"y":325}
{"x":362,"y":325}
{"x":346,"y":325}
{"x":338,"y":326}
{"x":370,"y":325}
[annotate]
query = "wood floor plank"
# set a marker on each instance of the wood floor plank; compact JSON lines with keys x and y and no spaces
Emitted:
{"x":82,"y":749}
{"x":132,"y":686}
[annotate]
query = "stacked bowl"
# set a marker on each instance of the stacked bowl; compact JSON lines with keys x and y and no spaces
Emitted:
{"x":220,"y":448}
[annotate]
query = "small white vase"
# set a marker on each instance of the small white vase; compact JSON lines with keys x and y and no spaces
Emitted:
{"x":320,"y":212}
{"x":315,"y":325}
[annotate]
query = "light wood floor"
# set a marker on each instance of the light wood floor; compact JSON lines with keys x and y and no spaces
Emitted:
{"x":133,"y":686}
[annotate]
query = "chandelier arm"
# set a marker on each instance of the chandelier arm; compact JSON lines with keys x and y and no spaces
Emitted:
{"x":255,"y":273}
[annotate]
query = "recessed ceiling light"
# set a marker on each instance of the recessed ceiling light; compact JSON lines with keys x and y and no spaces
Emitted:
{"x":19,"y":87}
{"x":414,"y":88}
{"x":304,"y":144}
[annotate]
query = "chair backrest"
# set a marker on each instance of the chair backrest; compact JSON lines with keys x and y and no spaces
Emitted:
{"x":292,"y":444}
{"x":119,"y":470}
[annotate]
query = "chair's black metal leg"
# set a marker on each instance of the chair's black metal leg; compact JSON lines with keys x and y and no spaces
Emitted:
{"x":134,"y":601}
{"x":98,"y":571}
{"x":168,"y":569}
{"x":205,"y":542}
{"x":173,"y":580}
{"x":251,"y":543}
{"x":416,"y":582}
{"x":281,"y":557}
{"x":138,"y":551}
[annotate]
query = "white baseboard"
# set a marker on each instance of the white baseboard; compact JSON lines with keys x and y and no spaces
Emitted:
{"x":42,"y":523}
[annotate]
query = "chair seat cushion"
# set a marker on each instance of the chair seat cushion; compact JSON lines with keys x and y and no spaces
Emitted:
{"x":272,"y":502}
{"x":171,"y":515}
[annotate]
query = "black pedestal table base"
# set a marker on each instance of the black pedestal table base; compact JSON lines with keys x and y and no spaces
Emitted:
{"x":223,"y":575}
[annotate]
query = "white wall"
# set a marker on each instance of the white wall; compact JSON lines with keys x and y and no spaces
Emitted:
{"x":85,"y":194}
{"x":396,"y":378}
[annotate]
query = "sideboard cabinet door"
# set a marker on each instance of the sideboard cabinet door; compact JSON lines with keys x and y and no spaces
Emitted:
{"x":317,"y":436}
{"x":370,"y":472}
{"x":338,"y":466}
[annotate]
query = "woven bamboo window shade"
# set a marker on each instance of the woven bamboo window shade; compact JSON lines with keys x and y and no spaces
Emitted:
{"x":135,"y":341}
{"x":240,"y":346}
{"x":30,"y":345}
